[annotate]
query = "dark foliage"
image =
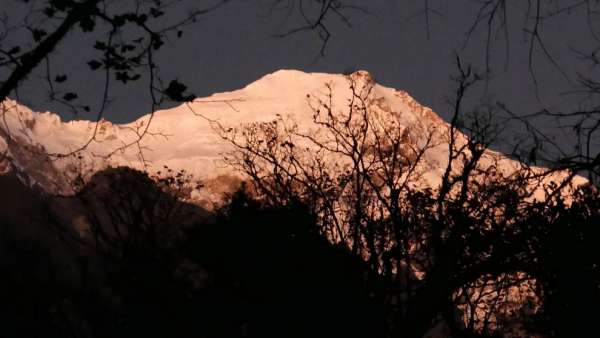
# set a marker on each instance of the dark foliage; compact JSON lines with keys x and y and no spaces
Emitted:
{"x":252,"y":270}
{"x":567,"y":264}
{"x":247,"y":271}
{"x":475,"y":255}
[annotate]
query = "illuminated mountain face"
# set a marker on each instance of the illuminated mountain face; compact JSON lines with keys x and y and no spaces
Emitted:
{"x":58,"y":155}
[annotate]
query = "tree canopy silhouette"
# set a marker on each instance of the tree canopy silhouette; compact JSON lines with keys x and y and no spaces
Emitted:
{"x":459,"y":253}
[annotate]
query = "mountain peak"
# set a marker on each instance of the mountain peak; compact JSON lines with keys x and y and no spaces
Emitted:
{"x":288,"y":73}
{"x":362,"y":75}
{"x":285,"y":78}
{"x":184,"y":137}
{"x":180,"y":138}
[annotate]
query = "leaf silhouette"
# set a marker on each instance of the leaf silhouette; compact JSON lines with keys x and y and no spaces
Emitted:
{"x":175,"y":92}
{"x":60,"y":78}
{"x":70,"y":96}
{"x":94,"y":64}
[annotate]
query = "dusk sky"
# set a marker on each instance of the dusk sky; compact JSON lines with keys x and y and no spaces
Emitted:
{"x":236,"y":44}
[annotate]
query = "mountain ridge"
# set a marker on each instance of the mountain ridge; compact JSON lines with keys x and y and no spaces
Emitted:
{"x":184,"y":137}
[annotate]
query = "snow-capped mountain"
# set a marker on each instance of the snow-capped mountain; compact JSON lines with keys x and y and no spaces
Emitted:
{"x":53,"y":154}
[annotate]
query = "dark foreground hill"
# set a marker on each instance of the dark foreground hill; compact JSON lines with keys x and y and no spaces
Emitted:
{"x":125,"y":259}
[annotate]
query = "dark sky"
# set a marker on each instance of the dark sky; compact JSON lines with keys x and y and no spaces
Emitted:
{"x":234,"y":46}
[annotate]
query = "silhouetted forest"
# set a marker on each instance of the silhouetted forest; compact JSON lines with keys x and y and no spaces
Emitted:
{"x":244,"y":271}
{"x":153,"y":266}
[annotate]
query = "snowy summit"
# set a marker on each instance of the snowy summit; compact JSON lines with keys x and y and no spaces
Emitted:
{"x":50,"y":153}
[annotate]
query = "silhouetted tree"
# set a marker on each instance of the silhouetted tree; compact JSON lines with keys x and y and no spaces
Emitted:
{"x":441,"y":250}
{"x":249,"y":270}
{"x":561,"y":234}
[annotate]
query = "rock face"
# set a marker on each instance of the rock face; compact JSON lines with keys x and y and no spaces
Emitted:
{"x":59,"y":156}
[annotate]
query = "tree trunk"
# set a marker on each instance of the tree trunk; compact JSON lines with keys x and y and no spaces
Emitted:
{"x":31,"y":59}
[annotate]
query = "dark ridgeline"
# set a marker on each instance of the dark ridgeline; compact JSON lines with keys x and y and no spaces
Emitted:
{"x":152,"y":266}
{"x":244,"y":271}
